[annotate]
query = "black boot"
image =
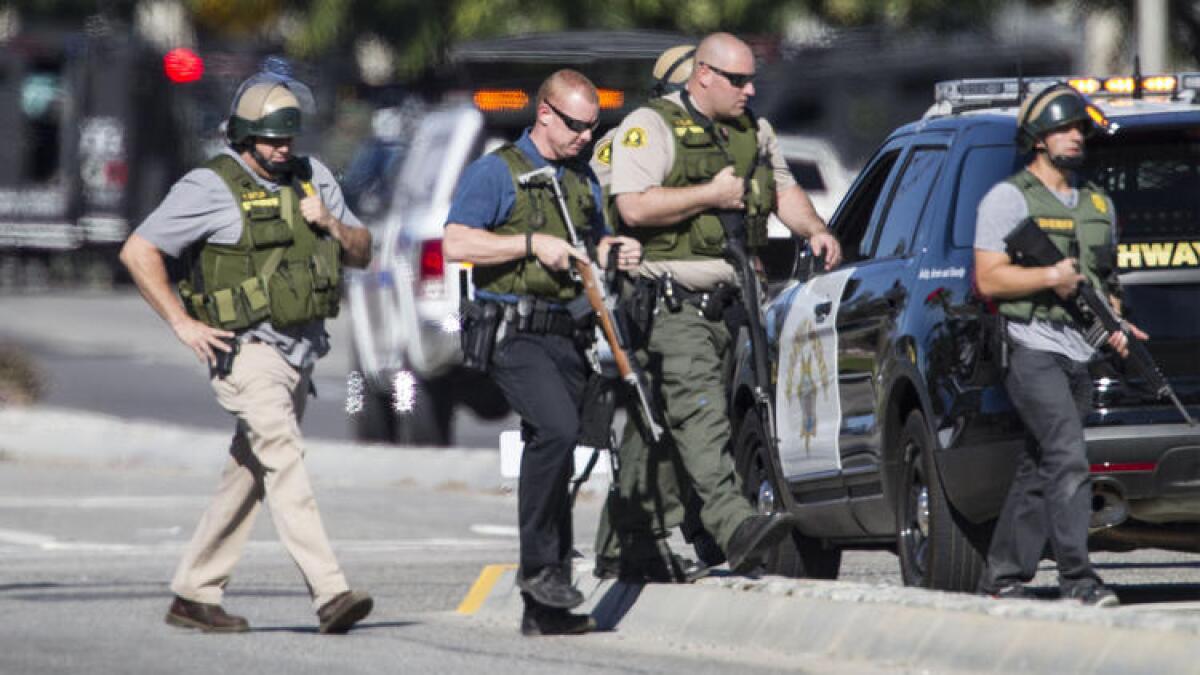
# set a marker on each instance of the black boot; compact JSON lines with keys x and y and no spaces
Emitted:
{"x":539,"y":619}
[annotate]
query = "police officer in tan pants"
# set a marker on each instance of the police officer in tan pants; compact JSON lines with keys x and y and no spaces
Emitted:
{"x":264,"y":234}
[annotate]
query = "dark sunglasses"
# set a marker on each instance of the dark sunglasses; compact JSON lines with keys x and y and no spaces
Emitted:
{"x":738,"y":80}
{"x":578,"y":126}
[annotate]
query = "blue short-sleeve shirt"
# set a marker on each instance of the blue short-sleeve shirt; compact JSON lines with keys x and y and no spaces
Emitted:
{"x":485,"y":195}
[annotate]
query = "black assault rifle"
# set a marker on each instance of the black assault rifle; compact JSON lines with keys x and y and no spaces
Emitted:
{"x":1029,"y":246}
{"x":734,"y":224}
{"x":590,"y":276}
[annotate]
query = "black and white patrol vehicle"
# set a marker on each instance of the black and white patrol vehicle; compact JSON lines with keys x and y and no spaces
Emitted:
{"x":891,"y":433}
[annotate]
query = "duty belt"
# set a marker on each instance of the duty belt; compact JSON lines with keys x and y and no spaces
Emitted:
{"x":711,"y":303}
{"x":532,"y":315}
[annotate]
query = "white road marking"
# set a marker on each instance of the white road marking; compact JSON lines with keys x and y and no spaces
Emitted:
{"x":24,"y":538}
{"x":21,"y":542}
{"x":496,"y":530}
{"x":101,"y":502}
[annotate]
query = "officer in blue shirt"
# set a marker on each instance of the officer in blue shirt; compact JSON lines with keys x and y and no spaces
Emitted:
{"x":516,"y":235}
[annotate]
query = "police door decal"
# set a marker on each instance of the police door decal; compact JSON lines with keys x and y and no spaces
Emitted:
{"x":809,"y":413}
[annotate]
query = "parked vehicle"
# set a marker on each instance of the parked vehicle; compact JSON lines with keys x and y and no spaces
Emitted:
{"x":893,"y":430}
{"x":404,"y":307}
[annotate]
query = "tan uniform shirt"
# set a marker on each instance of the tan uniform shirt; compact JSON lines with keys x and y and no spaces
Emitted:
{"x":642,"y":154}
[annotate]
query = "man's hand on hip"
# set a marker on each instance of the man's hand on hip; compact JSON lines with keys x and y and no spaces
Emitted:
{"x":201,"y":338}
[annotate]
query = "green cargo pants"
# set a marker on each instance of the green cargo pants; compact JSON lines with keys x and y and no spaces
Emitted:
{"x":686,"y":363}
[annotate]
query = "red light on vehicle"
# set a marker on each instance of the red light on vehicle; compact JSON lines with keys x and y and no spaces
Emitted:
{"x":116,"y":173}
{"x":433,"y":264}
{"x":1112,"y":467}
{"x":182,"y":65}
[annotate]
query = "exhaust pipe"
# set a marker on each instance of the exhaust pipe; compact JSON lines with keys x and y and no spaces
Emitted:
{"x":1109,"y":507}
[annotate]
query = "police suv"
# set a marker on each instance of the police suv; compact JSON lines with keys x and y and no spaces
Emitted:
{"x":893,"y":428}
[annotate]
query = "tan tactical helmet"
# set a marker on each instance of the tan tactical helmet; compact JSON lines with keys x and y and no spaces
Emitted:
{"x":673,"y":68}
{"x":269,"y":106}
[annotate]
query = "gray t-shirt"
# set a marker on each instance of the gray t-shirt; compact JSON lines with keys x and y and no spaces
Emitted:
{"x":1000,"y":211}
{"x":200,"y":207}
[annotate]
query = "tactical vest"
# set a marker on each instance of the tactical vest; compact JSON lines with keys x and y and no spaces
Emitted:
{"x":280,"y":269}
{"x":536,"y":210}
{"x":699,"y":157}
{"x":1084,"y":232}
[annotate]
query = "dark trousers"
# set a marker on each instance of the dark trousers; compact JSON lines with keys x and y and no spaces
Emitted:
{"x":543,"y":376}
{"x":1051,"y":493}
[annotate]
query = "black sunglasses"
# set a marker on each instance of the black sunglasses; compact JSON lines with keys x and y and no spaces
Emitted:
{"x":738,"y":80}
{"x":578,"y":126}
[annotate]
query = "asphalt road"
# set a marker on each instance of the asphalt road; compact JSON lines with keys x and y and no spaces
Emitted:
{"x":108,"y":352}
{"x":87,"y":555}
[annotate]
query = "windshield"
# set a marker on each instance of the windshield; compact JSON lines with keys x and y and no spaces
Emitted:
{"x":1152,"y":178}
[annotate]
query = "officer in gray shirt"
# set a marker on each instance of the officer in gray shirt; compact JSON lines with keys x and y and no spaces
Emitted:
{"x":263,"y":234}
{"x":1047,"y":378}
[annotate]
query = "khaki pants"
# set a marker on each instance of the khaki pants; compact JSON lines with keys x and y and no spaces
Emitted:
{"x":267,"y":396}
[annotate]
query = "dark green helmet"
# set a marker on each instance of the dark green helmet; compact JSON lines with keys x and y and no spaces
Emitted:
{"x":268,"y":105}
{"x":1052,"y":108}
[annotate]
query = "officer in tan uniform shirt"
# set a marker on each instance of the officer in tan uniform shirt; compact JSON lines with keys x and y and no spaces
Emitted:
{"x":676,"y":162}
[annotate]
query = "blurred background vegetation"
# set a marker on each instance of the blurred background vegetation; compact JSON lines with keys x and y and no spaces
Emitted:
{"x":406,"y":37}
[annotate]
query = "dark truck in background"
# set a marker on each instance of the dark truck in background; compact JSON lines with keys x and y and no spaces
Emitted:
{"x":893,"y":429}
{"x":97,"y":125}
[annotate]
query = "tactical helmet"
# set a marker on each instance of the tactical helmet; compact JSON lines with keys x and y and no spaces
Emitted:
{"x":268,"y":105}
{"x":673,"y":68}
{"x":1052,"y":108}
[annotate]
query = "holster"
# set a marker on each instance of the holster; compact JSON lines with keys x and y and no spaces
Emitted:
{"x":637,"y":307}
{"x":991,"y":362}
{"x":596,"y":412}
{"x":480,"y":322}
{"x":223,"y":364}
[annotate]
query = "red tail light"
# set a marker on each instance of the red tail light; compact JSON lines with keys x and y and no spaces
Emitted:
{"x":433,"y":264}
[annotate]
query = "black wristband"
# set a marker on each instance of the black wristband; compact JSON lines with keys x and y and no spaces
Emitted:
{"x":529,"y":246}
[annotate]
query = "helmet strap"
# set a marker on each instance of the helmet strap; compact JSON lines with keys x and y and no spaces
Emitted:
{"x":1063,"y":162}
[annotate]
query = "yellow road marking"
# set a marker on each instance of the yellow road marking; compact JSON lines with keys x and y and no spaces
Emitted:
{"x":482,"y":586}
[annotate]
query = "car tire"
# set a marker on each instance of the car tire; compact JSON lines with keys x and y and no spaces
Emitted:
{"x":798,"y":555}
{"x":426,"y":422}
{"x":375,"y":422}
{"x":938,"y":547}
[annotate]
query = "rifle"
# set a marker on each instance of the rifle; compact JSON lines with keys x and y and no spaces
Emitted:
{"x":589,"y":274}
{"x":733,"y":222}
{"x":1030,"y":246}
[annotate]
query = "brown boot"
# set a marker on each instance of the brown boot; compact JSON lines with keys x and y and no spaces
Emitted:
{"x":344,"y":610}
{"x":208,"y":618}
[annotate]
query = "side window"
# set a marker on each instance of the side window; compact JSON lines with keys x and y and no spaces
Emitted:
{"x":855,"y":217}
{"x":982,"y":168}
{"x":908,"y":201}
{"x":807,"y":174}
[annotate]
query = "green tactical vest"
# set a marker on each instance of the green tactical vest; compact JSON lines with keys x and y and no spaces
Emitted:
{"x":698,"y":158}
{"x":1089,"y":223}
{"x":536,"y":210}
{"x":280,"y":269}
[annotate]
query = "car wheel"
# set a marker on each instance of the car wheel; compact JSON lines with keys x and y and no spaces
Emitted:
{"x":425,"y":417}
{"x":938,"y":547}
{"x":373,"y":421}
{"x":797,"y":555}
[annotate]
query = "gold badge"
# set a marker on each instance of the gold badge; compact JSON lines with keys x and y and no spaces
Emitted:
{"x":604,"y":153}
{"x":634,"y":138}
{"x":1100,"y":203}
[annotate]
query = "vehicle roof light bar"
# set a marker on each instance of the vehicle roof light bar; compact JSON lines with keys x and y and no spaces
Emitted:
{"x":967,"y":94}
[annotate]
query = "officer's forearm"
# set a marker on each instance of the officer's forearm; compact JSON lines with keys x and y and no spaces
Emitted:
{"x":660,"y":206}
{"x":356,"y":244}
{"x":998,"y":277}
{"x":145,"y":264}
{"x":796,"y":212}
{"x":463,"y":243}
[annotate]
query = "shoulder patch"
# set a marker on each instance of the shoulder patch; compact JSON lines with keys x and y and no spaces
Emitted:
{"x":604,"y":153}
{"x":634,"y":138}
{"x":1100,"y":203}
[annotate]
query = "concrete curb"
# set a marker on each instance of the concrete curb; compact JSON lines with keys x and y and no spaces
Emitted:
{"x":52,"y":434}
{"x":883,"y":625}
